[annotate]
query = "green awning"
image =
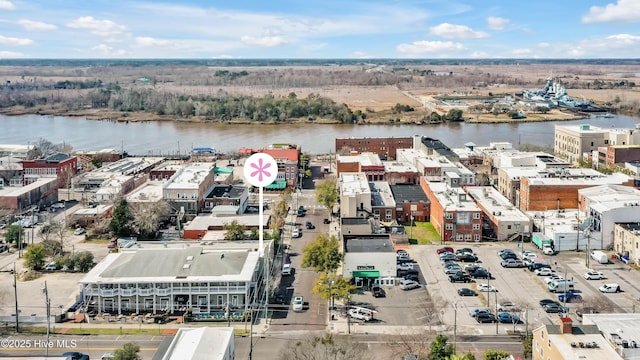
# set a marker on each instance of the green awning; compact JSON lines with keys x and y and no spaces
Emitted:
{"x":277,"y":185}
{"x":366,"y":274}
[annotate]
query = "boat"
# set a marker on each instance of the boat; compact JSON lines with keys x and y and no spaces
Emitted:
{"x":556,"y":94}
{"x":605,"y":115}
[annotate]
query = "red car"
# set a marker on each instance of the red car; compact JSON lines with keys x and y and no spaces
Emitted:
{"x":445,"y":249}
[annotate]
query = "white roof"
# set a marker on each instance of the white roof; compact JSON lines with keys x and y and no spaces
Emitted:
{"x":204,"y":343}
{"x":365,"y":159}
{"x":354,"y":183}
{"x":19,"y":190}
{"x":204,"y":222}
{"x":615,"y":179}
{"x":190,"y":176}
{"x":607,"y":197}
{"x":150,"y":191}
{"x":449,"y":198}
{"x":494,"y":202}
{"x":399,"y":166}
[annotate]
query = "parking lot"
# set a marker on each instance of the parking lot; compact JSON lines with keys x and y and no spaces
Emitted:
{"x":518,"y":285}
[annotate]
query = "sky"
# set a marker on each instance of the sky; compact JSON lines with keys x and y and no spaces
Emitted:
{"x":329,"y":29}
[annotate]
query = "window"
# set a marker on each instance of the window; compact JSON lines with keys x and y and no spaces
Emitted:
{"x":459,"y":237}
{"x":476,"y":226}
{"x":449,"y":227}
{"x":476,"y":216}
{"x":448,"y":215}
{"x":477,"y":237}
{"x":467,"y":237}
{"x":508,"y":227}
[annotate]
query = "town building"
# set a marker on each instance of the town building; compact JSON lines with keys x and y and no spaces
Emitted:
{"x":561,"y":192}
{"x":400,"y":172}
{"x":19,"y":199}
{"x":11,"y":172}
{"x":566,"y":228}
{"x":434,"y":147}
{"x":620,"y":332}
{"x":618,"y":154}
{"x":202,"y":343}
{"x":436,"y":166}
{"x":572,"y":142}
{"x":384,"y":147}
{"x":606,"y":205}
{"x":634,"y":168}
{"x":453,"y":214}
{"x":368,"y":163}
{"x":562,"y":339}
{"x":165,"y":170}
{"x":504,"y":220}
{"x":200,"y":225}
{"x":185,"y":191}
{"x":355,"y":195}
{"x":383,"y":205}
{"x":175,"y":279}
{"x":626,"y":241}
{"x":60,"y":166}
{"x":287,"y":156}
{"x":412,"y":204}
{"x":87,"y":216}
{"x":369,"y":259}
{"x":15,"y":150}
{"x":236,"y":197}
{"x":89,"y":160}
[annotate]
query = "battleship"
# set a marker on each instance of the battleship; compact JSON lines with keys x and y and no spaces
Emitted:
{"x":555,"y":95}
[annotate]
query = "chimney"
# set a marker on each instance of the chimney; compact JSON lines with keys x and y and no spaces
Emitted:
{"x":566,"y":325}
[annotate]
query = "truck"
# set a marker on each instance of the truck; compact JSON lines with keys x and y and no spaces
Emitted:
{"x":600,"y":257}
{"x":541,"y":240}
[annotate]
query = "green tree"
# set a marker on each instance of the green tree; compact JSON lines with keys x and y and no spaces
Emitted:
{"x":527,"y":346}
{"x":52,"y":247}
{"x":34,"y":257}
{"x":467,"y":356}
{"x":495,"y":355}
{"x":322,"y":254}
{"x":83,"y":261}
{"x":327,"y":194}
{"x":454,"y":115}
{"x":128,"y":351}
{"x":234,"y":231}
{"x":13,"y":233}
{"x":120,"y":220}
{"x":327,"y":285}
{"x":71,"y":262}
{"x":440,"y":350}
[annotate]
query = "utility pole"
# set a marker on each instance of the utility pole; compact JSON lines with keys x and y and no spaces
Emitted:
{"x":496,"y":301}
{"x":48,"y":303}
{"x":455,"y":325}
{"x":526,"y":320}
{"x":15,"y":290}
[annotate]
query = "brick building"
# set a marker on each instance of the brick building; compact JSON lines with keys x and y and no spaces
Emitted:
{"x":60,"y":166}
{"x":368,"y":163}
{"x":385,"y":147}
{"x":411,"y":200}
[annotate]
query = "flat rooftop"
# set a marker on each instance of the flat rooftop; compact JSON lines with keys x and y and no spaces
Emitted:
{"x":203,"y":343}
{"x":19,"y":190}
{"x":226,"y":191}
{"x":150,"y":191}
{"x":381,"y":194}
{"x":354,"y":183}
{"x":615,"y":179}
{"x":408,"y":193}
{"x":171,"y":264}
{"x":365,"y":159}
{"x":449,"y":198}
{"x":368,"y":244}
{"x":492,"y":201}
{"x":399,"y":166}
{"x":190,"y":176}
{"x":608,"y":197}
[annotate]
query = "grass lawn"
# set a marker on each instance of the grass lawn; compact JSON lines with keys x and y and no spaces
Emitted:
{"x":422,"y":233}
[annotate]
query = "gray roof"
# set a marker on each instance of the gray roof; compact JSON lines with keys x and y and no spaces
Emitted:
{"x":410,"y":193}
{"x":368,"y":244}
{"x":170,"y":264}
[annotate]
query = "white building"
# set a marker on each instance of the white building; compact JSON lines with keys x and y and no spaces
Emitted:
{"x":355,"y":195}
{"x":369,"y":260}
{"x":204,"y":343}
{"x":187,"y":187}
{"x":572,"y":141}
{"x":505,"y":219}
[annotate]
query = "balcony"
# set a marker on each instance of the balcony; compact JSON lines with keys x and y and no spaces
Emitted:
{"x":109,"y":292}
{"x":146,"y":292}
{"x":128,"y":292}
{"x":163,"y":291}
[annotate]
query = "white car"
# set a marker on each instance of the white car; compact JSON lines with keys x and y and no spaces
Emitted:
{"x":594,"y":275}
{"x":551,"y":278}
{"x":529,"y":255}
{"x":610,"y":288}
{"x":543,"y":272}
{"x":507,"y":306}
{"x":409,"y":284}
{"x":547,"y":250}
{"x":296,"y":233}
{"x":405,"y":266}
{"x":298,"y":304}
{"x":487,"y":288}
{"x":78,"y":231}
{"x":286,"y":269}
{"x":361,"y":314}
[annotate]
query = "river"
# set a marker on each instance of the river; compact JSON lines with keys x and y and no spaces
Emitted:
{"x":155,"y":138}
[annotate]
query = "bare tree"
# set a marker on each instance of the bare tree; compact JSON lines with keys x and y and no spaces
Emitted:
{"x":326,"y":347}
{"x":148,"y":216}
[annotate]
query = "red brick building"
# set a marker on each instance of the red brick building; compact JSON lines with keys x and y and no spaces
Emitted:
{"x":60,"y":166}
{"x":411,"y":201}
{"x":384,"y":147}
{"x":368,"y":163}
{"x":287,"y":157}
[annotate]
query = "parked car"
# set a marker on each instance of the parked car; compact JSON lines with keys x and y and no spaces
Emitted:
{"x":361,"y":313}
{"x":326,"y":221}
{"x":296,"y":233}
{"x":413,"y":277}
{"x":445,"y":250}
{"x":405,"y":266}
{"x":464,"y":250}
{"x":507,"y":318}
{"x":402,"y":253}
{"x":508,"y":255}
{"x":544,"y":302}
{"x":535,"y":266}
{"x":377,"y":292}
{"x":500,"y":252}
{"x":481,"y":273}
{"x":72,"y":355}
{"x":472,"y":267}
{"x":452,"y":269}
{"x":51,"y":267}
{"x":467,"y":257}
{"x":594,"y":275}
{"x":409,"y":284}
{"x":507,"y":306}
{"x":555,"y":308}
{"x":448,"y":256}
{"x":287,"y":269}
{"x":309,"y":225}
{"x":486,"y":288}
{"x":543,"y":271}
{"x":553,"y":277}
{"x":548,"y":250}
{"x":570,"y":297}
{"x":460,"y":277}
{"x":78,"y":231}
{"x":298,"y":303}
{"x":512,"y":263}
{"x":610,"y":288}
{"x":467,"y":292}
{"x":404,"y":260}
{"x":477,"y":311}
{"x":486,"y":318}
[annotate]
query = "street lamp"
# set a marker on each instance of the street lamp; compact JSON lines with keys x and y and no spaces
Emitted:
{"x":455,"y":325}
{"x":45,"y":291}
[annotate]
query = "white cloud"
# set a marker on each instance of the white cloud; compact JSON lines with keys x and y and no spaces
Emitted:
{"x":452,"y":31}
{"x":497,"y":23}
{"x":108,"y":51}
{"x":479,"y":55}
{"x":30,"y":25}
{"x":11,"y":54}
{"x":11,"y":41}
{"x":145,"y":41}
{"x":265,"y":41}
{"x":6,"y":5}
{"x":623,"y":10}
{"x":223,"y":56}
{"x":430,"y":48}
{"x":362,"y":55}
{"x":97,"y":27}
{"x":521,"y":52}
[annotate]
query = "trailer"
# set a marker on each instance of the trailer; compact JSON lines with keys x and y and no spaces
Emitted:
{"x":541,"y":240}
{"x":600,"y":257}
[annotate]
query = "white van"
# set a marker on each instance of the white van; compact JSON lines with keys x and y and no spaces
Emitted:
{"x":561,"y":285}
{"x":610,"y":288}
{"x":600,"y":257}
{"x":286,"y":269}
